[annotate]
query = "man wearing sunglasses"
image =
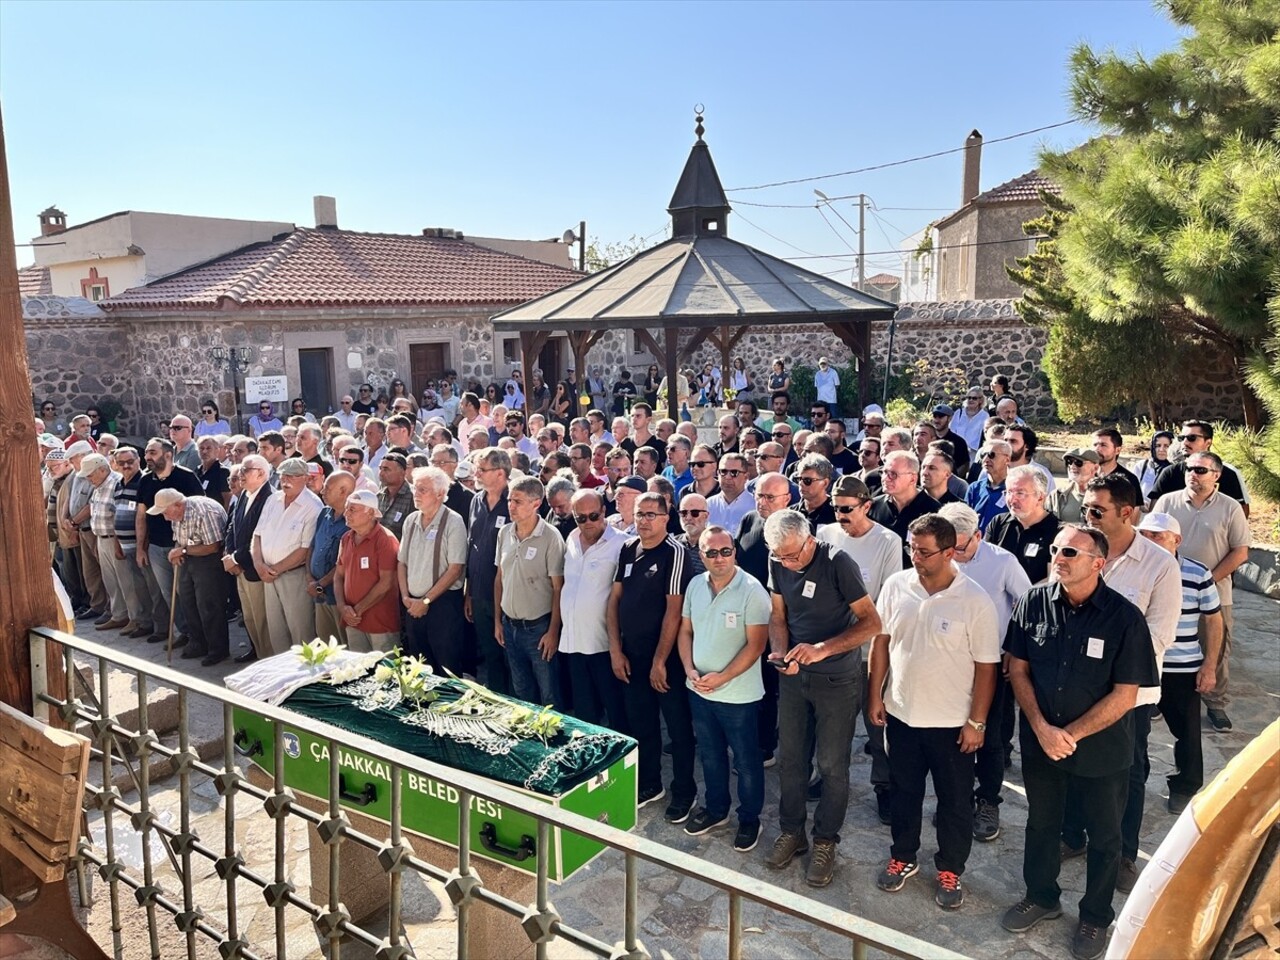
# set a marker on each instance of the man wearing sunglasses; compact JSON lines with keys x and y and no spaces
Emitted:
{"x":1078,"y":653}
{"x":693,"y":520}
{"x":727,"y":507}
{"x":986,"y":494}
{"x":1215,"y":533}
{"x":1149,"y":578}
{"x":677,"y":469}
{"x":590,"y":564}
{"x":902,"y":500}
{"x":1197,"y":437}
{"x":724,"y":628}
{"x":1067,"y":502}
{"x":813,"y":474}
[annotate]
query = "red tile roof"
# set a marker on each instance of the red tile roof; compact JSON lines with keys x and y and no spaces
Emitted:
{"x":884,"y":279}
{"x":1020,"y":189}
{"x":338,"y":268}
{"x":34,"y":281}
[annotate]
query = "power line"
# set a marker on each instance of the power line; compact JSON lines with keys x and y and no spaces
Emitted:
{"x":787,"y":243}
{"x":899,"y":252}
{"x":898,"y":163}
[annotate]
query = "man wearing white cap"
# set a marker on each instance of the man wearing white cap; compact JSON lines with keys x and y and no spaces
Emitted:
{"x":1189,"y":665}
{"x":826,"y":381}
{"x":364,"y":580}
{"x":75,"y":521}
{"x":281,"y":543}
{"x":196,"y":556}
{"x":102,"y":534}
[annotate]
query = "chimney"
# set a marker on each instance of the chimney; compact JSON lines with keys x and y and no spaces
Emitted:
{"x":971,"y":186}
{"x":326,"y":213}
{"x":52,"y":220}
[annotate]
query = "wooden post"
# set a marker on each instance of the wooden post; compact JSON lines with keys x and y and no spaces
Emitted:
{"x":670,"y":347}
{"x":27,"y":598}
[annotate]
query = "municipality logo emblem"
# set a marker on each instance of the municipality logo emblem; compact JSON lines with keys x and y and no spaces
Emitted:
{"x":291,"y":745}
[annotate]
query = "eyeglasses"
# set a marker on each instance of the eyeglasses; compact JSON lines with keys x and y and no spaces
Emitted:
{"x":348,"y":459}
{"x":894,"y":474}
{"x":810,"y":481}
{"x":923,"y":554}
{"x":346,"y":403}
{"x":692,"y":513}
{"x":989,"y":455}
{"x":1096,"y":513}
{"x":781,"y":433}
{"x":177,"y":426}
{"x":768,"y":456}
{"x":1069,"y":552}
{"x":845,"y":508}
{"x":1200,"y":471}
{"x":790,"y":558}
{"x":868,"y":453}
{"x":1188,"y":437}
{"x":649,"y":517}
{"x":722,"y":552}
{"x":702,"y":463}
{"x":581,"y":518}
{"x":772,"y":496}
{"x":731,"y":473}
{"x":1073,"y":462}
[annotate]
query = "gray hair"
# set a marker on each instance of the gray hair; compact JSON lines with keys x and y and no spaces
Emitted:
{"x":439,"y":479}
{"x":445,"y":450}
{"x":1028,"y":472}
{"x":902,"y":456}
{"x":559,"y":485}
{"x":256,"y":460}
{"x":902,"y":434}
{"x":961,"y":516}
{"x":817,"y":463}
{"x":310,"y":429}
{"x":528,"y":486}
{"x":680,"y":440}
{"x":783,"y":526}
{"x":495,"y":457}
{"x":998,"y":446}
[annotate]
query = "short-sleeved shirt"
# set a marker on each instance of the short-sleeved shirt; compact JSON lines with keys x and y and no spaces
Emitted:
{"x":418,"y":549}
{"x":1210,"y":531}
{"x":824,"y":514}
{"x":588,"y":578}
{"x":482,"y":543}
{"x":362,"y":563}
{"x":1174,"y":478}
{"x":1076,"y":656}
{"x":395,"y":508}
{"x":878,"y":553}
{"x":331,"y":527}
{"x":998,"y":572}
{"x":987,"y":499}
{"x":215,"y":481}
{"x":203,"y":522}
{"x":160,"y":530}
{"x":527,"y":568}
{"x":1067,"y":504}
{"x":659,"y":447}
{"x":1029,"y":544}
{"x":817,"y":599}
{"x":720,"y":622}
{"x":721,"y":513}
{"x":886,"y":513}
{"x":648,"y":577}
{"x":935,"y":640}
{"x":283,"y":529}
{"x":1199,"y":598}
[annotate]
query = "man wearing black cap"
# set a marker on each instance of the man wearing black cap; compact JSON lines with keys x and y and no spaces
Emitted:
{"x":960,"y":459}
{"x":1067,"y":502}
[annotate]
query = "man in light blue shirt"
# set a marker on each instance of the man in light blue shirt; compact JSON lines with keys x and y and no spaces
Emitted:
{"x":723,"y":631}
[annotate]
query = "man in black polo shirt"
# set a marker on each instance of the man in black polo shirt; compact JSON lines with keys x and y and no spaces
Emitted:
{"x":643,"y":621}
{"x":1028,"y":528}
{"x":489,"y":514}
{"x":843,"y":460}
{"x":155,"y":533}
{"x":821,"y":616}
{"x":1078,"y":652}
{"x":902,"y":500}
{"x":813,"y":474}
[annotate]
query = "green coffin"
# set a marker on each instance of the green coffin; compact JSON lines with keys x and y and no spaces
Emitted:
{"x":599,"y":783}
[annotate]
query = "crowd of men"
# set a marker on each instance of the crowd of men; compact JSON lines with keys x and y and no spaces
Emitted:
{"x":632,"y":575}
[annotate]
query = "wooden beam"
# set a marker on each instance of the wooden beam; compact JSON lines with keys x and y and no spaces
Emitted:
{"x":698,"y":339}
{"x":531,"y":344}
{"x":648,"y":339}
{"x":670,"y":339}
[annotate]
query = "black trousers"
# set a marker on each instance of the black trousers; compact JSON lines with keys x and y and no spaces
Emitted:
{"x":1103,"y":799}
{"x":597,"y":695}
{"x":1074,"y":827}
{"x":491,"y":659}
{"x":767,"y":718}
{"x":914,"y":754}
{"x":437,"y":634}
{"x":989,"y":762}
{"x":202,"y":587}
{"x":1180,"y":707}
{"x":875,"y":739}
{"x":647,"y":708}
{"x":817,"y":714}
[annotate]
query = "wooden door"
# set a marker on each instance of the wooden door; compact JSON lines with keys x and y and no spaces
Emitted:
{"x":427,"y":364}
{"x":549,"y":363}
{"x":315,"y":372}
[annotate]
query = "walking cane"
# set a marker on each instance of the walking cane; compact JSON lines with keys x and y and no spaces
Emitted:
{"x":173,"y":606}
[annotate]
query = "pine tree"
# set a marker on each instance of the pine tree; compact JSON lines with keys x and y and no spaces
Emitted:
{"x":1172,"y":218}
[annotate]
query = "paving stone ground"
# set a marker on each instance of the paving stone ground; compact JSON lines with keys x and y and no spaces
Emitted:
{"x":682,"y":916}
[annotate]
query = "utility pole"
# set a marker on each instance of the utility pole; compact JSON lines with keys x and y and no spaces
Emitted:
{"x":582,"y":246}
{"x":862,"y":240}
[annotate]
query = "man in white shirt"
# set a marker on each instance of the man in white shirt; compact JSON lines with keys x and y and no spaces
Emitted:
{"x":936,"y":662}
{"x":345,"y":416}
{"x":281,"y":548}
{"x":825,"y":382}
{"x":590,"y":562}
{"x":969,"y":419}
{"x":728,"y":507}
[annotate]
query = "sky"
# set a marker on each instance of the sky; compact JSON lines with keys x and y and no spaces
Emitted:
{"x":522,"y":119}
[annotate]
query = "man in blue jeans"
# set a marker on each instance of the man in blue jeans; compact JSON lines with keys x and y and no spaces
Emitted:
{"x":526,"y":595}
{"x":723,"y":631}
{"x":821,"y":615}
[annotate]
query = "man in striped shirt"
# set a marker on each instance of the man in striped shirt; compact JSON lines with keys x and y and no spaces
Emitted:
{"x":1188,"y":666}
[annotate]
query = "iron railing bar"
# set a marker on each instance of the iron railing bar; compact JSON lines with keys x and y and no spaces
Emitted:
{"x":735,"y":926}
{"x":335,"y":847}
{"x":630,"y":920}
{"x":812,"y":911}
{"x":229,"y":846}
{"x":108,"y":819}
{"x":396,"y":878}
{"x":463,"y":909}
{"x":184,"y":821}
{"x":584,"y":940}
{"x":542,"y":901}
{"x":277,"y":754}
{"x":144,"y":813}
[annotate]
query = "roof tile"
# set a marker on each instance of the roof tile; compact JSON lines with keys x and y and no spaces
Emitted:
{"x":34,"y":281}
{"x":1020,"y":189}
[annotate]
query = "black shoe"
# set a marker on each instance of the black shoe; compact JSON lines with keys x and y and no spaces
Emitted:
{"x":1219,"y":720}
{"x":883,"y":809}
{"x":1089,"y":942}
{"x":895,"y":874}
{"x":1024,"y":915}
{"x":986,"y":822}
{"x":747,"y":837}
{"x":1128,"y":875}
{"x":815,"y":791}
{"x":769,"y":759}
{"x":1176,"y":803}
{"x":181,"y":641}
{"x":704,"y":822}
{"x":213,"y":658}
{"x":103,"y":620}
{"x":678,"y":811}
{"x":647,"y":797}
{"x":1066,"y":852}
{"x":248,"y":657}
{"x":157,"y":638}
{"x":194,"y":653}
{"x":89,"y":614}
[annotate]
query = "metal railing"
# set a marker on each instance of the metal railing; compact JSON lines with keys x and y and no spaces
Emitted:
{"x":113,"y":744}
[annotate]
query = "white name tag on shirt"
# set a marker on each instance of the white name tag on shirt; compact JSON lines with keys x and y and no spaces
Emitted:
{"x":1031,"y":550}
{"x":499,"y":522}
{"x":1094,"y":649}
{"x":731,"y":619}
{"x":431,"y":534}
{"x":942,"y":625}
{"x":531,"y":553}
{"x":364,"y":563}
{"x":626,"y":571}
{"x":807,"y":590}
{"x":396,"y":518}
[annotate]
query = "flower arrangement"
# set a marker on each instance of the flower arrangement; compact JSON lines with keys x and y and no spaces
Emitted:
{"x":317,"y":652}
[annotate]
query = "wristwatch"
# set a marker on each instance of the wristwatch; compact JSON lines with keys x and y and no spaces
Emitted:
{"x":980,"y":727}
{"x":184,"y":551}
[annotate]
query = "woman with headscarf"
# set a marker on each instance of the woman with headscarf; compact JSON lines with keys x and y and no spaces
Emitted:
{"x":1155,"y":464}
